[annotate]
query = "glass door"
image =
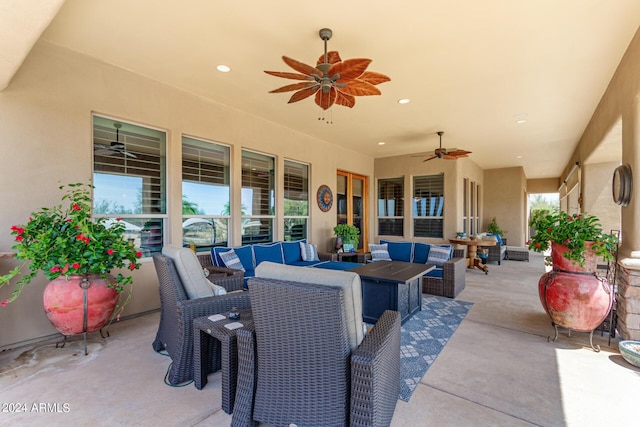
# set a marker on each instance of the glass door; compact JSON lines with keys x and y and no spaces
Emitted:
{"x":352,"y":204}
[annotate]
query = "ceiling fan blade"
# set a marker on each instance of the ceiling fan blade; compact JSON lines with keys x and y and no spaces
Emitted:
{"x":374,"y":78}
{"x":458,"y":153}
{"x":332,"y":57}
{"x":126,"y":153}
{"x":430,"y":158}
{"x":303,"y":93}
{"x":295,"y":86}
{"x":301,"y":67}
{"x":292,"y":76}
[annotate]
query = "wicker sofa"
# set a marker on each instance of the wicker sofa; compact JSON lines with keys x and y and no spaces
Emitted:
{"x":307,"y":360}
{"x":447,"y":280}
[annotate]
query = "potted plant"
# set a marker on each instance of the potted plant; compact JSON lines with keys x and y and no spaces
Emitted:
{"x":572,"y":235}
{"x":349,"y":235}
{"x":76,"y":254}
{"x":571,"y":293}
{"x":493,"y":228}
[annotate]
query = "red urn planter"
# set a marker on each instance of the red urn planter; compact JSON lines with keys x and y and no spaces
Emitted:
{"x":573,"y":296}
{"x":64,"y":303}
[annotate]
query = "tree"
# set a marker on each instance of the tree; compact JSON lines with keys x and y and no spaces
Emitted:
{"x":540,"y":202}
{"x":190,"y":208}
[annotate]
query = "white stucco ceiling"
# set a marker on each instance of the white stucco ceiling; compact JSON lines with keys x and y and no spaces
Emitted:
{"x":471,"y":68}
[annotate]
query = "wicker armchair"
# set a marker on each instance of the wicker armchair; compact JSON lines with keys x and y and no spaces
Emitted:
{"x":453,"y":277}
{"x":497,"y":253}
{"x":300,"y":366}
{"x":177,"y":312}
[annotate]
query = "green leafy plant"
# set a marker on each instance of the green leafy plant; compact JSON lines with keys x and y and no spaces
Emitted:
{"x":349,"y":233}
{"x":494,"y":228}
{"x":572,"y":231}
{"x":66,"y":241}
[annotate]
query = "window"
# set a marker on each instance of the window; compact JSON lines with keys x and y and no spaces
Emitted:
{"x":391,"y":207}
{"x":258,"y":197}
{"x":428,"y":206}
{"x":129,"y":176}
{"x":465,"y":204}
{"x":205,"y":193}
{"x":296,"y":200}
{"x":472,"y":212}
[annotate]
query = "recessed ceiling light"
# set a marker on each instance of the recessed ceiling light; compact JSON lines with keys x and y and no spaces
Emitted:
{"x":518,"y":157}
{"x":404,"y":101}
{"x":381,"y":143}
{"x":223,"y":68}
{"x":521,"y":121}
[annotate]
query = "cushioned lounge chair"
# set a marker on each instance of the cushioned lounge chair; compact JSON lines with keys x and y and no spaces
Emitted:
{"x":306,"y":362}
{"x":177,"y":312}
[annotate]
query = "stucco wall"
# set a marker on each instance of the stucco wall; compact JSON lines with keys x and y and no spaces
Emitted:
{"x":621,"y":100}
{"x":45,"y":130}
{"x":409,"y":166}
{"x":543,"y":185}
{"x":596,"y":196}
{"x":505,"y":198}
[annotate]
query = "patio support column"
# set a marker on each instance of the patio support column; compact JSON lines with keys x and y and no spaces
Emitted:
{"x":628,"y":278}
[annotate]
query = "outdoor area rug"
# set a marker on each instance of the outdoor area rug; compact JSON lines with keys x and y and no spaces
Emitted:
{"x":424,"y":336}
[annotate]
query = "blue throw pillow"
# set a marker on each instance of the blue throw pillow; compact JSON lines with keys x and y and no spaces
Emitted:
{"x":497,"y":237}
{"x":399,"y":251}
{"x":291,"y":251}
{"x":231,"y":260}
{"x":268,"y":252}
{"x":438,"y":255}
{"x":420,"y":252}
{"x":309,"y":252}
{"x":379,"y":252}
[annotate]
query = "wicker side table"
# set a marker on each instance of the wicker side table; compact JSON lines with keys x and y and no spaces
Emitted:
{"x":204,"y":332}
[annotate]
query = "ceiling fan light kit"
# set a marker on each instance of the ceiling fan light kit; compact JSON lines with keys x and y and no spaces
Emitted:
{"x":332,"y":80}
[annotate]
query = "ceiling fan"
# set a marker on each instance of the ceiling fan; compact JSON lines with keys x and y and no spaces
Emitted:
{"x":116,"y":147}
{"x":446,"y":153}
{"x":332,"y":80}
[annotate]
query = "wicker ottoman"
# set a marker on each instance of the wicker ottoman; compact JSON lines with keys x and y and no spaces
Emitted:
{"x":517,"y":253}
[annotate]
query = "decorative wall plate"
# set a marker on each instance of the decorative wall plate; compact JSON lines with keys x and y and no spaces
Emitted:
{"x":622,"y":185}
{"x":325,"y":198}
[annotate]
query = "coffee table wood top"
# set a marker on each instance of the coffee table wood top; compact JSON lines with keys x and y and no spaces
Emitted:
{"x":396,"y":271}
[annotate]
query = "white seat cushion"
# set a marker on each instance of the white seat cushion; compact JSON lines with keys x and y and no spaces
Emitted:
{"x":196,"y":285}
{"x":348,"y":281}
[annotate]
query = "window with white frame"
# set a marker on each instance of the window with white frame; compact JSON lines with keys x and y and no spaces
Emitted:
{"x":296,"y":200}
{"x":205,"y":193}
{"x":258,"y":197}
{"x":391,"y":206}
{"x":465,"y":204}
{"x":428,"y":206}
{"x":129,"y":178}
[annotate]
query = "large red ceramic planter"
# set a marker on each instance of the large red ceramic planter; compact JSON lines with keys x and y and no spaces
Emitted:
{"x":64,"y":303}
{"x":573,"y":296}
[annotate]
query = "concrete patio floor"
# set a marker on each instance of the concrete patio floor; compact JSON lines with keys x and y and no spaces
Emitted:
{"x":497,"y":370}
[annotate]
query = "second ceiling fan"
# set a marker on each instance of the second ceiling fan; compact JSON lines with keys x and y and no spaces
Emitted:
{"x":446,"y":153}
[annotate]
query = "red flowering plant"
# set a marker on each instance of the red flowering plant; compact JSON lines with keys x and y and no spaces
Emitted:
{"x":572,"y":231}
{"x":67,"y":241}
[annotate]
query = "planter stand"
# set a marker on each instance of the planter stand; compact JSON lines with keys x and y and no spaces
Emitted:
{"x":595,"y":348}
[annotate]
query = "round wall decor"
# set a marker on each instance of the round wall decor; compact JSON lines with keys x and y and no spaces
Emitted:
{"x":325,"y":198}
{"x":622,"y":185}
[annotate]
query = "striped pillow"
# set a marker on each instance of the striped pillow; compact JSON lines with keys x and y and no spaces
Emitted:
{"x":379,"y":252}
{"x":309,"y":252}
{"x":438,"y":255}
{"x":231,"y":260}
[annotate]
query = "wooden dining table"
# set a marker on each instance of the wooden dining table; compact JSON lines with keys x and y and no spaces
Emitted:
{"x":472,"y":250}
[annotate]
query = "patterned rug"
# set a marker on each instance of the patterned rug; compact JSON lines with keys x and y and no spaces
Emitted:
{"x":424,"y":336}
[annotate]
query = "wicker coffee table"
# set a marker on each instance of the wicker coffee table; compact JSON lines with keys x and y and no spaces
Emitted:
{"x":212,"y":336}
